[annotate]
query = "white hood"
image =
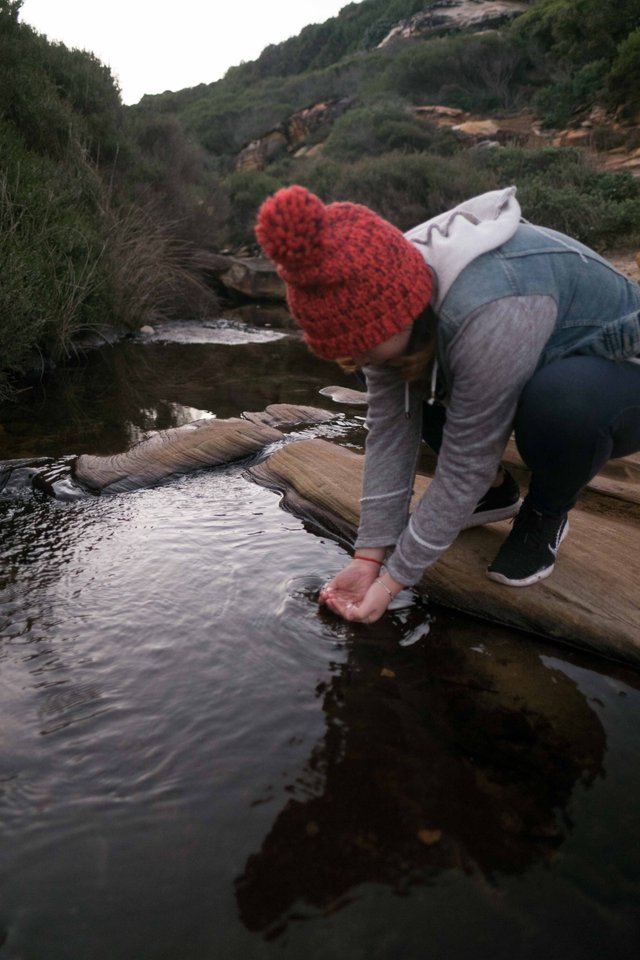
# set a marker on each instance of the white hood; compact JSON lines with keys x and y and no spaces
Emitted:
{"x":450,"y":241}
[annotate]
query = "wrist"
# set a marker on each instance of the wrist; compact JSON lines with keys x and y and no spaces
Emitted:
{"x":374,"y":562}
{"x":374,"y":553}
{"x":373,"y":557}
{"x":392,"y":586}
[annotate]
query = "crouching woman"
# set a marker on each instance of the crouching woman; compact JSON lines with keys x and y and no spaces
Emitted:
{"x":469,"y":327}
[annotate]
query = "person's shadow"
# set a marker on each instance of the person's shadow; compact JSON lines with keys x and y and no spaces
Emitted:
{"x":458,"y":752}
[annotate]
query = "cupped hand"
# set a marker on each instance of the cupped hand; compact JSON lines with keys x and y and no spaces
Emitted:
{"x":358,"y":596}
{"x":350,"y":585}
{"x":368,"y":610}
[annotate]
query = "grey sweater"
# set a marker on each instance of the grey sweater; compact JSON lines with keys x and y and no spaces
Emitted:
{"x":491,"y":358}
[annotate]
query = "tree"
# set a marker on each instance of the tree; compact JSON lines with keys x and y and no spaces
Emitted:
{"x":580,"y":31}
{"x":10,"y":9}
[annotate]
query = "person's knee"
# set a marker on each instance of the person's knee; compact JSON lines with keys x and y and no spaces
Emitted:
{"x":565,"y":399}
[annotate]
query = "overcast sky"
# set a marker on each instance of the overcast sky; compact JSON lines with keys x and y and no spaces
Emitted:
{"x":152,"y":46}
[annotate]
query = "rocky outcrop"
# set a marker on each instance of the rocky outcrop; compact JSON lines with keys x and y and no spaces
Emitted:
{"x":447,"y":15}
{"x":256,"y":278}
{"x":259,"y":153}
{"x":292,"y":135}
{"x":301,"y":125}
{"x":253,"y":277}
{"x":516,"y":129}
{"x":524,"y":129}
{"x":623,"y":160}
{"x":203,"y":443}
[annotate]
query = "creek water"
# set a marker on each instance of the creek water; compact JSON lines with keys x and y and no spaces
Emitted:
{"x":198,"y":763}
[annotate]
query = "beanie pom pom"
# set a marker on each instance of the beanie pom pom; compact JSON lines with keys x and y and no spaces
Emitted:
{"x":291,"y":226}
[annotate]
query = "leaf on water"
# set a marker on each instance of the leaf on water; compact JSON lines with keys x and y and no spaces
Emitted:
{"x":429,"y":837}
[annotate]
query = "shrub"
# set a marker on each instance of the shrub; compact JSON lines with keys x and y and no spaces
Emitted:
{"x":404,"y":188}
{"x":247,"y":190}
{"x":320,"y":175}
{"x":623,"y":80}
{"x":150,"y":274}
{"x":376,"y":129}
{"x":587,"y":52}
{"x":51,"y":93}
{"x":485,"y":70}
{"x":573,"y":91}
{"x":72,"y":261}
{"x":51,"y":248}
{"x":561,"y":189}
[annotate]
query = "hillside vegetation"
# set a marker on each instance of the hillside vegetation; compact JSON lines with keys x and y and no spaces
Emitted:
{"x":103,"y":208}
{"x":86,"y":243}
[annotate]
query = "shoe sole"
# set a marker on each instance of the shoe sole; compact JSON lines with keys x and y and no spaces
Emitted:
{"x":492,"y":516}
{"x":535,"y":577}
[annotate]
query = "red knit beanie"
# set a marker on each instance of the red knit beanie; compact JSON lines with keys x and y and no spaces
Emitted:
{"x":353,"y":280}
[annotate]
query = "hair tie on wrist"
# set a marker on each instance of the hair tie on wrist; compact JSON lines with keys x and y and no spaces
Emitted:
{"x":368,"y":559}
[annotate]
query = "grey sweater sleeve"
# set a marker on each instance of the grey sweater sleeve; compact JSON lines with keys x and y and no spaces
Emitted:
{"x":392,"y":448}
{"x":491,"y":358}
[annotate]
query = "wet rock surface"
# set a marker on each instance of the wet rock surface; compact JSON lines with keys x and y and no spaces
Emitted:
{"x":591,"y":600}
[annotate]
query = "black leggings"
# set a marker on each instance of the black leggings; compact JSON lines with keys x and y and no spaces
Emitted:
{"x":573,"y":416}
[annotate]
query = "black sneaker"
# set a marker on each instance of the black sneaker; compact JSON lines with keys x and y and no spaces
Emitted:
{"x":498,"y":503}
{"x":529,"y":552}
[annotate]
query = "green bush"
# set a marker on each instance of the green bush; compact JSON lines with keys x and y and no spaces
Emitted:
{"x":561,"y":189}
{"x":151,"y":275}
{"x":51,"y":254}
{"x":52,"y":93}
{"x":623,"y":80}
{"x":320,"y":175}
{"x":404,"y":188}
{"x":358,"y":26}
{"x":585,"y":53}
{"x":85,"y":243}
{"x":486,"y":71}
{"x":247,"y":189}
{"x":579,"y":31}
{"x":71,"y":262}
{"x":376,"y":129}
{"x":572,"y":92}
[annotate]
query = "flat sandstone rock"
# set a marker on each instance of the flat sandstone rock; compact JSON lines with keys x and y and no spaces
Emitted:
{"x":203,"y":443}
{"x":592,"y":600}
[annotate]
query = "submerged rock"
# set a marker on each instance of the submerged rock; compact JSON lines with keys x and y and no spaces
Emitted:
{"x":203,"y":443}
{"x":168,"y":453}
{"x":355,"y":398}
{"x":288,"y":415}
{"x":16,"y":476}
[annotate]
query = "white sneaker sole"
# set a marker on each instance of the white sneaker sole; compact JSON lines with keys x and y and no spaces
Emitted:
{"x":492,"y":516}
{"x":535,"y":577}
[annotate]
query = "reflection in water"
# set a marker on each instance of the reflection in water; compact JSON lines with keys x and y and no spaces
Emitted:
{"x":122,"y":392}
{"x":437,"y":756}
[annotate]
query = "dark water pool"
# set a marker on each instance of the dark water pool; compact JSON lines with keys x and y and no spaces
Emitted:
{"x":198,"y":764}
